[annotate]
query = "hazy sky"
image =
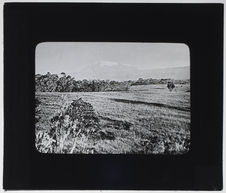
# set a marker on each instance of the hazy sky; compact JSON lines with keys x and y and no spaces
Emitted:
{"x":72,"y":57}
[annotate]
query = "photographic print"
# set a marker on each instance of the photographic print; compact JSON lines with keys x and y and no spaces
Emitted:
{"x":112,"y":98}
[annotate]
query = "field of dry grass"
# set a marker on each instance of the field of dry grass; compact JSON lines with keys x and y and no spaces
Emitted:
{"x":146,"y":119}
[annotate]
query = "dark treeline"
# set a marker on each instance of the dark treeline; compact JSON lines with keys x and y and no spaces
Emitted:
{"x":65,"y":83}
{"x":142,"y":81}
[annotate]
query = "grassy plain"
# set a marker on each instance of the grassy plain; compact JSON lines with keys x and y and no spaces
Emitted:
{"x":159,"y":120}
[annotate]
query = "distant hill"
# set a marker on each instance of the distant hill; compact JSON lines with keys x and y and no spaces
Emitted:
{"x":121,"y":72}
{"x":179,"y":73}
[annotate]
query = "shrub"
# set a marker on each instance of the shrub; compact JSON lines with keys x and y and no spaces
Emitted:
{"x":73,"y":124}
{"x":170,"y":85}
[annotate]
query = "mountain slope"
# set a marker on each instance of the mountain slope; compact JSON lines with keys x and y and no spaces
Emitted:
{"x":122,"y":72}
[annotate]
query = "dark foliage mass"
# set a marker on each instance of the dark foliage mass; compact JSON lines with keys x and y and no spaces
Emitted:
{"x":65,"y":83}
{"x":68,"y":125}
{"x":170,"y":86}
{"x":142,"y":81}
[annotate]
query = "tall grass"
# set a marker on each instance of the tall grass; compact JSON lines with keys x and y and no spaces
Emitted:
{"x":146,"y":120}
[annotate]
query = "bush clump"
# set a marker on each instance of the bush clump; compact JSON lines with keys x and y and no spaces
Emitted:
{"x":73,"y":124}
{"x":170,"y":85}
{"x":166,"y":144}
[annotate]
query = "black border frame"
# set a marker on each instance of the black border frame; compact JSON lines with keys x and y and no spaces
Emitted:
{"x":200,"y":26}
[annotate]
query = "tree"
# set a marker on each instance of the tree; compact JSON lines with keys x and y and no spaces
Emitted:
{"x":65,"y":83}
{"x":63,"y":74}
{"x":170,"y":85}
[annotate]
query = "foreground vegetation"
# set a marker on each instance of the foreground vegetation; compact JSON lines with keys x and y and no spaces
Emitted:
{"x":144,"y":119}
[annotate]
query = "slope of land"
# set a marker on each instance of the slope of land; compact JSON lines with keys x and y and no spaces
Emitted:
{"x":144,"y":119}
